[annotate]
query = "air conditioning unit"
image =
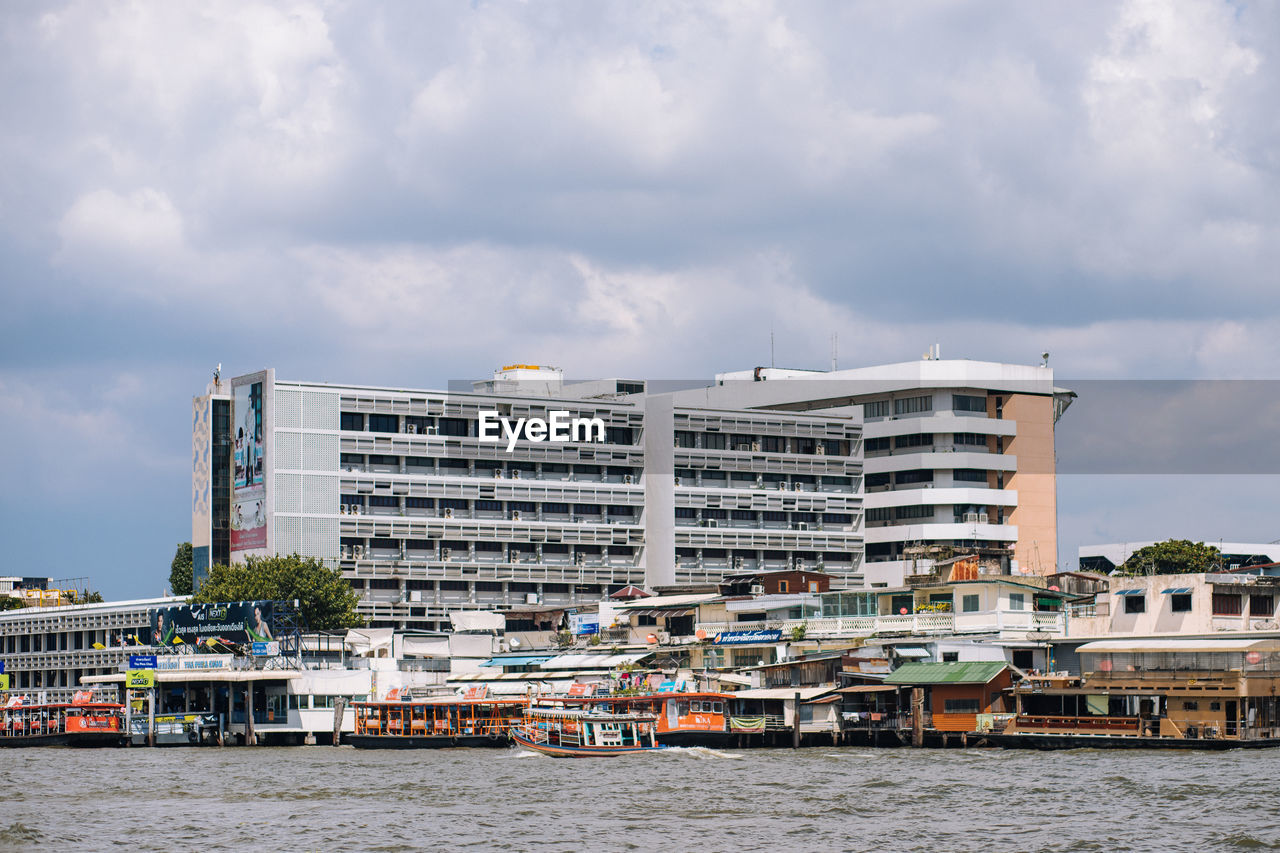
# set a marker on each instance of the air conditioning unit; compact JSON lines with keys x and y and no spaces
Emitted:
{"x":448,"y":512}
{"x":799,"y":564}
{"x":982,"y":518}
{"x":627,"y":479}
{"x":802,"y":525}
{"x":344,"y":552}
{"x":515,"y":515}
{"x":710,"y":522}
{"x":412,"y":429}
{"x":357,"y":552}
{"x":355,"y":509}
{"x":579,"y":558}
{"x":738,"y":563}
{"x":664,"y":638}
{"x":446,"y":554}
{"x":757,"y":589}
{"x":971,"y":517}
{"x":530,"y":598}
{"x":342,"y":509}
{"x":415,"y":595}
{"x":497,"y":472}
{"x":755,"y":447}
{"x":782,"y":485}
{"x":431,"y":430}
{"x":821,"y":450}
{"x":743,"y":448}
{"x":515,"y":473}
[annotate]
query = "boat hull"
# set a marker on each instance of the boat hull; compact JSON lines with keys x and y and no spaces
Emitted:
{"x":580,"y":751}
{"x":72,"y":739}
{"x":712,"y":740}
{"x":425,"y":741}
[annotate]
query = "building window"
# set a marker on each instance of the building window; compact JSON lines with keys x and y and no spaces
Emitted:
{"x":912,"y":405}
{"x":950,"y":657}
{"x":714,"y":441}
{"x":1180,"y":602}
{"x":1017,"y":601}
{"x":1261,"y":605}
{"x":773,"y":444}
{"x":1135,"y":604}
{"x":968,"y":403}
{"x":1191,"y":705}
{"x":834,"y":447}
{"x":913,"y":512}
{"x":875,"y":480}
{"x":353,"y":421}
{"x":784,"y":586}
{"x":384,"y":500}
{"x":1227,"y":604}
{"x":685,"y":439}
{"x":880,"y":514}
{"x":384,"y":423}
{"x":908,"y":477}
{"x":969,"y":475}
{"x":454,"y":426}
{"x":876,"y":409}
{"x":961,"y":706}
{"x":874,"y":445}
{"x":917,"y":440}
{"x":969,"y":603}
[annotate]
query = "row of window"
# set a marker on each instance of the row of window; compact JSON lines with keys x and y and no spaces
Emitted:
{"x":922,"y":403}
{"x":455,"y":467}
{"x":761,"y":444}
{"x":762,"y":515}
{"x":1224,"y":604}
{"x":926,"y":475}
{"x":456,"y":427}
{"x":925,"y":439}
{"x":462,"y":504}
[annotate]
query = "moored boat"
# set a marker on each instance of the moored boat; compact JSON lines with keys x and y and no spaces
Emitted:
{"x":78,"y":723}
{"x":681,"y":719}
{"x":579,"y":732}
{"x":435,"y":723}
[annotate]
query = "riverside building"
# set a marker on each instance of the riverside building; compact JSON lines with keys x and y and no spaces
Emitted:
{"x":428,"y":512}
{"x":958,"y":455}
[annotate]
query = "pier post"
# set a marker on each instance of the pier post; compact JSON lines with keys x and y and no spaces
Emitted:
{"x":339,"y":705}
{"x":250,"y":739}
{"x":151,"y":716}
{"x":795,"y":730}
{"x":128,"y":717}
{"x":917,"y":716}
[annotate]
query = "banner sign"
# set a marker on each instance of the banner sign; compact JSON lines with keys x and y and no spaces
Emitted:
{"x":142,"y":661}
{"x":743,"y":638}
{"x":169,"y":663}
{"x":582,"y":624}
{"x":4,"y":682}
{"x":236,"y":622}
{"x":266,"y":650}
{"x":138,"y":679}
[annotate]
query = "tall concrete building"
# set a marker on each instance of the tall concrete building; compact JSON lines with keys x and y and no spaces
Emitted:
{"x":430,"y":505}
{"x":957,"y":454}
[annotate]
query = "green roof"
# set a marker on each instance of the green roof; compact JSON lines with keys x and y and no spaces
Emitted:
{"x":966,"y":672}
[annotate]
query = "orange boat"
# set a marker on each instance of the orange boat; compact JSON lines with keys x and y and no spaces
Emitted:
{"x":81,"y":722}
{"x":584,"y":732}
{"x":682,"y":719}
{"x":435,"y":723}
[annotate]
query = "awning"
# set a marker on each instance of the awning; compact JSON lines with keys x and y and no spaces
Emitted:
{"x":1181,"y":645}
{"x":806,"y":693}
{"x":1132,"y":592}
{"x":911,"y":652}
{"x":1177,"y":590}
{"x":868,"y":688}
{"x":730,"y":678}
{"x":674,"y":610}
{"x":527,"y":660}
{"x":604,"y":661}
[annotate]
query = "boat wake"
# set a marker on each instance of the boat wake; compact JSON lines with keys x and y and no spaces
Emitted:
{"x":701,"y":752}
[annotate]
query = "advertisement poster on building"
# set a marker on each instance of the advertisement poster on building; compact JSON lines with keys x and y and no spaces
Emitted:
{"x":250,"y":428}
{"x":237,"y":622}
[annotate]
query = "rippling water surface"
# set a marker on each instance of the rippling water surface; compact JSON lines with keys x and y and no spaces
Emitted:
{"x":321,"y":798}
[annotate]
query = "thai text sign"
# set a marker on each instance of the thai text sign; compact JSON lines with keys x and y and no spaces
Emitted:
{"x":142,"y":661}
{"x":233,"y":622}
{"x":743,"y":638}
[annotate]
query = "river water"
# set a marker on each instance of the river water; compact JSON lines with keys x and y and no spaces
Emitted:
{"x":322,"y":798}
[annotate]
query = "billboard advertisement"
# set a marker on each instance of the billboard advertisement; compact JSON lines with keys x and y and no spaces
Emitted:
{"x":237,"y":622}
{"x":250,"y":428}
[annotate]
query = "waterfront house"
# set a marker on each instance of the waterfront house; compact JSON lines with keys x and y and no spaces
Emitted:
{"x":954,"y":694}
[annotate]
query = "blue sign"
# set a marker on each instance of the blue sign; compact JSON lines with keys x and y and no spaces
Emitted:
{"x":743,"y":638}
{"x":583,"y":624}
{"x":265,"y":649}
{"x":1,"y":667}
{"x":142,"y":661}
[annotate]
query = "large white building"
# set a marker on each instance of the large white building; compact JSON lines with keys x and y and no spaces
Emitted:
{"x":957,"y":454}
{"x":399,"y":488}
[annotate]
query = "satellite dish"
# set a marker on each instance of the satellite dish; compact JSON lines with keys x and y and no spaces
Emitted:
{"x":513,"y":643}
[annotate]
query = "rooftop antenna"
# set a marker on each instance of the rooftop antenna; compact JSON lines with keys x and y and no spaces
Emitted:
{"x":217,"y":374}
{"x":835,"y":351}
{"x":1045,"y":356}
{"x":772,"y":363}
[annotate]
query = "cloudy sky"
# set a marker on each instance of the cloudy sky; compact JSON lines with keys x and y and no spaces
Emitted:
{"x":410,"y":193}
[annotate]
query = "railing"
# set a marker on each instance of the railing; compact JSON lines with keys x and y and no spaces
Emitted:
{"x":1107,"y":724}
{"x":749,"y":723}
{"x":914,"y":623}
{"x":861,"y":721}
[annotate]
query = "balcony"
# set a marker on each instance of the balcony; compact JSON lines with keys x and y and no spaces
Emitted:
{"x":916,"y":624}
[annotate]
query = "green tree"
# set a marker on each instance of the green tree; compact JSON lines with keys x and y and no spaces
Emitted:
{"x":326,"y":600}
{"x":180,"y":577}
{"x":1173,"y":557}
{"x":9,"y":602}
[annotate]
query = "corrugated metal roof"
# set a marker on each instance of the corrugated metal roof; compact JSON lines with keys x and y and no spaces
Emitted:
{"x":953,"y":672}
{"x":667,"y":600}
{"x":524,"y":660}
{"x":806,"y":693}
{"x":607,"y":661}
